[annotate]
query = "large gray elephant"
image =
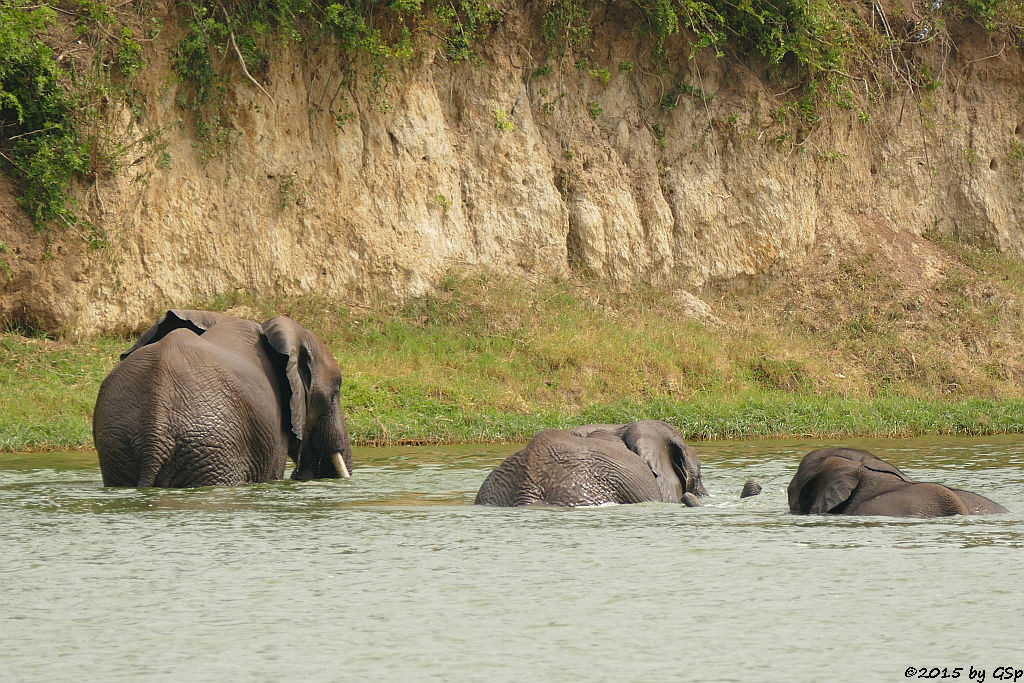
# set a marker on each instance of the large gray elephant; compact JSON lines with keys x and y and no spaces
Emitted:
{"x":847,"y":481}
{"x":598,"y":464}
{"x":209,"y":399}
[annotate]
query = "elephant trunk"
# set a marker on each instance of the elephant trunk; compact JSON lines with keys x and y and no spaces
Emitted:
{"x":312,"y":467}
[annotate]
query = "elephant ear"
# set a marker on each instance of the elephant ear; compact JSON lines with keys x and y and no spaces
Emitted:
{"x":675,"y":465}
{"x":825,"y":486}
{"x":687,"y":464}
{"x":176,"y":319}
{"x":289,"y":339}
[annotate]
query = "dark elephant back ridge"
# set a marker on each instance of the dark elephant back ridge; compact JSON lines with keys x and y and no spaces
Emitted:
{"x":205,"y":398}
{"x":848,"y":481}
{"x":596,"y":465}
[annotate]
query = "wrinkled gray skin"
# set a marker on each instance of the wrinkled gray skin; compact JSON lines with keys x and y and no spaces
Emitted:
{"x":209,"y":399}
{"x":847,"y":481}
{"x":751,"y":488}
{"x":598,"y":464}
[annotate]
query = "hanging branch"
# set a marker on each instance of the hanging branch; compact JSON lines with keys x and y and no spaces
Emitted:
{"x":41,"y":130}
{"x":241,"y":60}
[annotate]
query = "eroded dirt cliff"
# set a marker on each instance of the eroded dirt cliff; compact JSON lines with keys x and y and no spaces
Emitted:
{"x":493,"y":164}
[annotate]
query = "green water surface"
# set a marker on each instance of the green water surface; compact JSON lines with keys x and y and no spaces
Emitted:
{"x":395,"y":576}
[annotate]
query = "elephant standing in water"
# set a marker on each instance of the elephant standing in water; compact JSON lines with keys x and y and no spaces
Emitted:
{"x":598,"y":464}
{"x":209,"y":399}
{"x":847,"y":481}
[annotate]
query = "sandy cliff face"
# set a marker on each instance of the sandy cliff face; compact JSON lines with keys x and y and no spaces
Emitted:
{"x":493,"y":165}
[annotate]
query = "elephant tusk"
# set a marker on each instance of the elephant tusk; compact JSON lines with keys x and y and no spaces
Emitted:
{"x":339,"y":465}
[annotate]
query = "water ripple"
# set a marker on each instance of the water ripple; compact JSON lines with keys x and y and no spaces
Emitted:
{"x":394,"y":575}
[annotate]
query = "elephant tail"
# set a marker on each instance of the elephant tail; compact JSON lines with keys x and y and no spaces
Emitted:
{"x":150,"y":467}
{"x":151,"y":462}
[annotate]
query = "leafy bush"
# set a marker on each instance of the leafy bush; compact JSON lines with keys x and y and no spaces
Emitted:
{"x":39,"y":138}
{"x":1004,"y":16}
{"x":370,"y":34}
{"x":45,"y":109}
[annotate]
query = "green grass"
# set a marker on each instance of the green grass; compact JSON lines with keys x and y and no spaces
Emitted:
{"x":47,"y":390}
{"x":486,"y":359}
{"x":705,"y":418}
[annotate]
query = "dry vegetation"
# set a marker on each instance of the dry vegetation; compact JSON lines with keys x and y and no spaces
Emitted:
{"x":905,"y":315}
{"x":904,"y":337}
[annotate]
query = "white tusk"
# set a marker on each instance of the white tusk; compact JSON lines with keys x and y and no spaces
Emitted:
{"x":339,"y":465}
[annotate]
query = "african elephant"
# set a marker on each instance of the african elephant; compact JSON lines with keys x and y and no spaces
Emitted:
{"x":206,"y":398}
{"x":598,"y":464}
{"x":847,"y":481}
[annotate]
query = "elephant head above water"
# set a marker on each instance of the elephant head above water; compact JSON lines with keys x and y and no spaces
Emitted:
{"x":598,"y":464}
{"x":206,"y":398}
{"x":847,"y":481}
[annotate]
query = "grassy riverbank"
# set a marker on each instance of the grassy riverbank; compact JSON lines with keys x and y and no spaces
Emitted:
{"x":489,"y":358}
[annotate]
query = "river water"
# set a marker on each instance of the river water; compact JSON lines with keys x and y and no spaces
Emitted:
{"x":394,"y":575}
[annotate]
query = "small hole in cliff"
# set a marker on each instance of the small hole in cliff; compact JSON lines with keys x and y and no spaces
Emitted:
{"x":1019,"y":129}
{"x":994,"y":165}
{"x":874,"y":170}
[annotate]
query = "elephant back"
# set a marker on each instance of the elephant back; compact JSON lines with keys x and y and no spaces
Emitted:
{"x":977,"y":504}
{"x":196,"y":321}
{"x":560,"y":468}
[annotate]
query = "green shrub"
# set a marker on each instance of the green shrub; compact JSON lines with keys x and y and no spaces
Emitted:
{"x":369,"y":34}
{"x":811,"y":31}
{"x":39,"y":138}
{"x":1004,"y":16}
{"x":44,"y":108}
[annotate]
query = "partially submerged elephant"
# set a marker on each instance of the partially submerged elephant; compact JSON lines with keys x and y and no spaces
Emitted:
{"x":205,"y":399}
{"x":598,"y":464}
{"x":847,"y":481}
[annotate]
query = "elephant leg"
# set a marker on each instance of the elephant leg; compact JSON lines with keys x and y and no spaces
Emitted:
{"x":118,"y":469}
{"x":192,"y":466}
